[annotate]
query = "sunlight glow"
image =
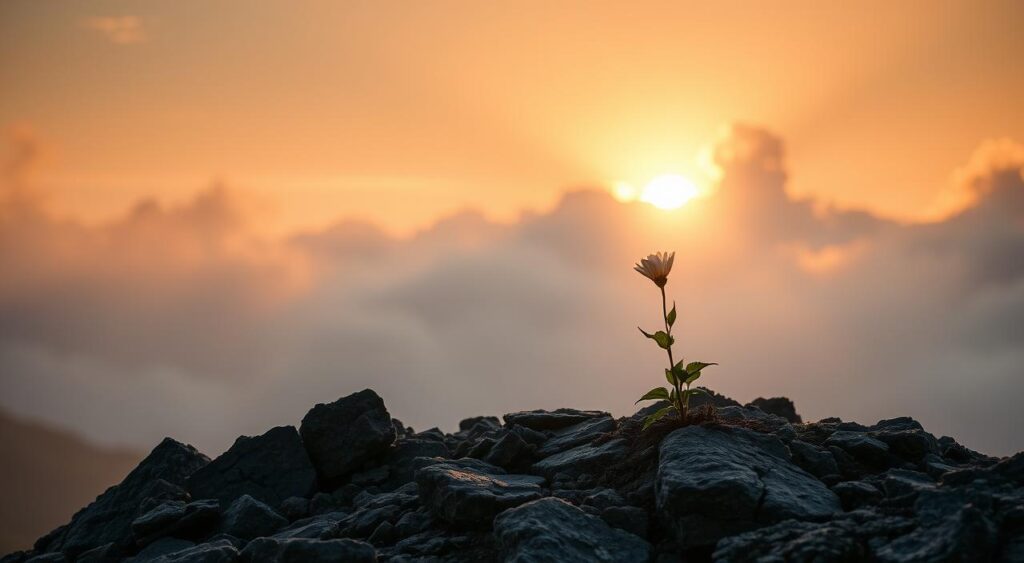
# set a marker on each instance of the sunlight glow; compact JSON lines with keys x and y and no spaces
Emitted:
{"x":669,"y":191}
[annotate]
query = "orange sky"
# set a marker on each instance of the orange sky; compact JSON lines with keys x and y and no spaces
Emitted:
{"x":399,"y":112}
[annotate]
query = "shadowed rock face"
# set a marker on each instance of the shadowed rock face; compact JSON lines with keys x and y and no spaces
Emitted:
{"x":270,"y":468}
{"x":560,"y":485}
{"x":108,"y":520}
{"x":342,"y":435}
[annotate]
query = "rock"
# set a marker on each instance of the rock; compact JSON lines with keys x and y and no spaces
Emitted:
{"x":321,"y":526}
{"x":108,"y":519}
{"x":374,"y":476}
{"x":161,"y":547}
{"x":779,"y":406}
{"x":249,"y":518}
{"x":553,"y":530}
{"x":294,"y":508}
{"x":383,"y":534}
{"x":108,"y":553}
{"x":582,"y":459}
{"x":157,"y":520}
{"x":759,"y":420}
{"x":269,"y":468}
{"x":857,"y":494}
{"x":714,"y":482}
{"x":951,"y":529}
{"x":220,"y":551}
{"x":488,"y":422}
{"x":577,"y":434}
{"x":550,"y":420}
{"x":274,"y":550}
{"x":906,"y":438}
{"x":862,"y":447}
{"x":629,"y":518}
{"x":812,"y":459}
{"x":603,"y":498}
{"x":847,"y":538}
{"x":175,"y":518}
{"x":470,"y":496}
{"x":900,"y":482}
{"x":342,"y":435}
{"x":509,"y":452}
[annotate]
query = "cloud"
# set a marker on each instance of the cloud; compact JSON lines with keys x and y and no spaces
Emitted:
{"x":181,"y":320}
{"x":120,"y":30}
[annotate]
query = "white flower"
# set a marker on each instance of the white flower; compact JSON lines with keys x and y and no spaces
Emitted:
{"x":656,"y":267}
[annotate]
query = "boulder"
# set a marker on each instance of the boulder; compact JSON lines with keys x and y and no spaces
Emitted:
{"x":341,"y":436}
{"x":553,"y":530}
{"x":269,"y":468}
{"x":470,"y":495}
{"x":509,"y":452}
{"x":249,"y":518}
{"x":862,"y":447}
{"x":717,"y":481}
{"x":221,"y":551}
{"x":176,"y":518}
{"x":857,"y":494}
{"x":951,"y":528}
{"x":274,"y":550}
{"x":582,"y":459}
{"x":779,"y":406}
{"x":629,"y":518}
{"x":550,"y":420}
{"x":576,"y":435}
{"x":487,"y":422}
{"x":812,"y":459}
{"x":108,"y":519}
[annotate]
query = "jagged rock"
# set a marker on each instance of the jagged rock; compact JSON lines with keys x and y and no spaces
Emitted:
{"x":582,"y":459}
{"x":714,"y":482}
{"x":221,"y":551}
{"x":249,"y":518}
{"x":487,"y":422}
{"x":108,"y":519}
{"x":176,"y":518}
{"x":861,"y":446}
{"x":951,"y":529}
{"x":812,"y":459}
{"x":553,"y":530}
{"x":270,"y":468}
{"x":470,"y":495}
{"x":576,"y":435}
{"x":857,"y":494}
{"x":509,"y":452}
{"x":847,"y":538}
{"x":274,"y":550}
{"x":779,"y":406}
{"x":550,"y":420}
{"x":342,"y":435}
{"x":161,"y":547}
{"x":629,"y":518}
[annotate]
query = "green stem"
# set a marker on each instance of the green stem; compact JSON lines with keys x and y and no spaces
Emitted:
{"x":671,"y":361}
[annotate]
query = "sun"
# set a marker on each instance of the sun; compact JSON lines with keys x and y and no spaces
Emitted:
{"x":669,"y":191}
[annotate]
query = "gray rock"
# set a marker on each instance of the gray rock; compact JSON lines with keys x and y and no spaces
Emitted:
{"x":629,"y":518}
{"x":273,"y":550}
{"x":553,"y":530}
{"x":321,"y":526}
{"x":510,"y":451}
{"x":108,"y":519}
{"x":294,"y":508}
{"x":779,"y":406}
{"x":471,"y":496}
{"x":604,"y":498}
{"x":756,"y":418}
{"x":489,"y":422}
{"x":221,"y":551}
{"x":342,"y":435}
{"x":576,"y":435}
{"x":269,"y":468}
{"x":857,"y":494}
{"x":812,"y":459}
{"x":861,"y":446}
{"x":899,"y":482}
{"x":951,"y":529}
{"x":582,"y":459}
{"x":175,"y":518}
{"x":249,"y":518}
{"x":161,"y":547}
{"x":157,"y":520}
{"x":715,"y":482}
{"x":550,"y":420}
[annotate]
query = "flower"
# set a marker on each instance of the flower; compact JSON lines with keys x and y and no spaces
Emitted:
{"x":656,"y":267}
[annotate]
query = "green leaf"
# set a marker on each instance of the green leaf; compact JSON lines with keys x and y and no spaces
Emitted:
{"x":671,"y":377}
{"x":671,"y":318}
{"x":656,"y":393}
{"x":695,"y":367}
{"x":691,"y":378}
{"x":661,"y":337}
{"x":672,"y":395}
{"x":658,"y":414}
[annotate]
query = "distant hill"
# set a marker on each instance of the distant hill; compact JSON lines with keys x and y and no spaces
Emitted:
{"x":46,"y":475}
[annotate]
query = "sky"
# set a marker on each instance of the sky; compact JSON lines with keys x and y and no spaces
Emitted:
{"x":211,"y":219}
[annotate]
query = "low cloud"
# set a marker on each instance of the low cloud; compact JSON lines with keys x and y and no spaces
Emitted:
{"x":120,"y":30}
{"x":182,"y":321}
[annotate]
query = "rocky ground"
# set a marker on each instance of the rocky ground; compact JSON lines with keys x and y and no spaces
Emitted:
{"x":740,"y":483}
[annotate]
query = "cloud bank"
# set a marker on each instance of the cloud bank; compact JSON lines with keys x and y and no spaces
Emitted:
{"x":179,"y":320}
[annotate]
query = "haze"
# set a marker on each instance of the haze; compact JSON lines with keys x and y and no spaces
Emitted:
{"x":214,"y":217}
